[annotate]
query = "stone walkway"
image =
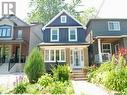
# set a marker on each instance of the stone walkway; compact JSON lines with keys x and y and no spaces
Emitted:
{"x":86,"y":88}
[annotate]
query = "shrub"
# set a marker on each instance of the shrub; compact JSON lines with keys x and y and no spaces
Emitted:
{"x":116,"y":79}
{"x":45,"y":80}
{"x":20,"y":88}
{"x":61,"y":73}
{"x":58,"y":87}
{"x":34,"y":88}
{"x":112,"y":75}
{"x":34,"y":66}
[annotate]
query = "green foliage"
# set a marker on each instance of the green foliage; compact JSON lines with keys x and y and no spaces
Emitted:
{"x":20,"y":88}
{"x":45,"y":80}
{"x":86,"y":14}
{"x":44,"y":10}
{"x":1,"y":89}
{"x":58,"y":87}
{"x":112,"y":75}
{"x":61,"y":73}
{"x":34,"y":88}
{"x":91,"y":72}
{"x":34,"y":66}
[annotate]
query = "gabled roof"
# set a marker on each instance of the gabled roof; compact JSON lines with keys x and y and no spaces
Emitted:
{"x":63,"y":11}
{"x":100,"y":19}
{"x":15,"y":20}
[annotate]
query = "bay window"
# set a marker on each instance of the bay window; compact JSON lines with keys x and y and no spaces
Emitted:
{"x":5,"y":31}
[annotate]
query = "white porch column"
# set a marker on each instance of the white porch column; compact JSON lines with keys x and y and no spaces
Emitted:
{"x":99,"y":50}
{"x":20,"y":53}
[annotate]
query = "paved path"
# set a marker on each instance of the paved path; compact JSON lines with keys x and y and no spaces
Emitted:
{"x":4,"y":68}
{"x":8,"y":80}
{"x":86,"y":88}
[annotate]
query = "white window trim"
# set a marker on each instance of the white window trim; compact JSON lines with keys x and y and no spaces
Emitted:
{"x":60,"y":56}
{"x":113,"y":22}
{"x":75,"y":34}
{"x":115,"y":47}
{"x":49,"y":59}
{"x":63,"y":16}
{"x":110,"y":47}
{"x":57,"y":35}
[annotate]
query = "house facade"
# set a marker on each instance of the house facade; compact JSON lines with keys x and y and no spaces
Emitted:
{"x":64,"y":42}
{"x":106,"y":37}
{"x":14,"y":39}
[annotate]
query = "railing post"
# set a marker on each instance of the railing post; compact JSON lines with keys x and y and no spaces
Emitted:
{"x":99,"y":50}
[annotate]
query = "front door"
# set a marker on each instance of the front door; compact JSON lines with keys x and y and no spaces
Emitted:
{"x":77,"y":58}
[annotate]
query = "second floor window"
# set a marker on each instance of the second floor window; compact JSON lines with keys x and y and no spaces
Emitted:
{"x":72,"y":34}
{"x":5,"y":31}
{"x":114,"y":26}
{"x":54,"y":35}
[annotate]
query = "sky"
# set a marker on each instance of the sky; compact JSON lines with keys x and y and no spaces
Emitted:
{"x":110,"y":8}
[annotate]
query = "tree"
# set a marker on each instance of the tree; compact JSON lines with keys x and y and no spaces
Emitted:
{"x":44,"y":10}
{"x":86,"y":14}
{"x":34,"y":66}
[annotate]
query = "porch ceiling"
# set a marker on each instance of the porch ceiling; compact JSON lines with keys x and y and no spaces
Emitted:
{"x":108,"y":40}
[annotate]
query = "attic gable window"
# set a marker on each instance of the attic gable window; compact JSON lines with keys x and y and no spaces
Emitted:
{"x":63,"y":19}
{"x":113,"y":25}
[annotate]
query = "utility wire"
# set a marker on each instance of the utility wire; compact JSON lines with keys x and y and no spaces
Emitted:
{"x":100,"y":8}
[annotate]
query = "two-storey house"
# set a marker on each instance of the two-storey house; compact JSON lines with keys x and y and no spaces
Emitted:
{"x":14,"y":39}
{"x":64,"y":42}
{"x":106,"y":37}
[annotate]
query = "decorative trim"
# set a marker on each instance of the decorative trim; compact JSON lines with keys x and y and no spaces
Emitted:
{"x":64,"y":27}
{"x":75,"y":34}
{"x":58,"y":16}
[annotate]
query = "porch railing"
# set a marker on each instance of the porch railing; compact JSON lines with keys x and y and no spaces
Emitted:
{"x":105,"y":57}
{"x":11,"y":63}
{"x":14,"y":61}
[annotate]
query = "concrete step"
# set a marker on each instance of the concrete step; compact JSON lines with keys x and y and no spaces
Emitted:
{"x":78,"y":75}
{"x":79,"y":78}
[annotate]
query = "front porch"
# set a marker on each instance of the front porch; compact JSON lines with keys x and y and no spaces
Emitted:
{"x":76,"y":56}
{"x":105,"y":47}
{"x":12,"y":55}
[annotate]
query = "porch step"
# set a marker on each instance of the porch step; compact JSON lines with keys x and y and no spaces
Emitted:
{"x":78,"y":75}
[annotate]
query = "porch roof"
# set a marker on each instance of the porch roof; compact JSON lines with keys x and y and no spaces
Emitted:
{"x":11,"y":41}
{"x":109,"y":39}
{"x":62,"y":44}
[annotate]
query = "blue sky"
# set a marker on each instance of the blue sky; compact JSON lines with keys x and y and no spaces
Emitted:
{"x":110,"y":9}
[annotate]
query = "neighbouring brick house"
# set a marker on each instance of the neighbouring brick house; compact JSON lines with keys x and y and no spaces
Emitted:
{"x":14,"y":39}
{"x":106,"y":37}
{"x":64,"y":42}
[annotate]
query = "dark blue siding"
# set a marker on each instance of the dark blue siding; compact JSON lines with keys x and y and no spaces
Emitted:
{"x":70,"y":22}
{"x":63,"y":36}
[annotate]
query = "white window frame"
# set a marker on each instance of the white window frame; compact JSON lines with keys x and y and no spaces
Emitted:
{"x":110,"y":47}
{"x":63,"y":17}
{"x":52,"y":33}
{"x":75,"y":34}
{"x":115,"y":47}
{"x":49,"y":58}
{"x":116,"y":28}
{"x":60,"y":56}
